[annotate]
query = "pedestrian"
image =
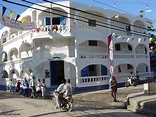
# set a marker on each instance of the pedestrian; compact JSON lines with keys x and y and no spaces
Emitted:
{"x":10,"y":84}
{"x":25,"y":87}
{"x":18,"y":85}
{"x":43,"y":88}
{"x":32,"y":86}
{"x":38,"y":88}
{"x":113,"y":83}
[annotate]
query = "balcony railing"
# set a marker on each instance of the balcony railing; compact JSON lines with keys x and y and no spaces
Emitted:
{"x":141,"y":56}
{"x":102,"y":80}
{"x":19,"y":37}
{"x":93,"y":80}
{"x":105,"y":56}
{"x":60,"y":29}
{"x":93,"y":56}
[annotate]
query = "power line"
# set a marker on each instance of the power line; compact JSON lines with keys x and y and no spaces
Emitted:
{"x":94,"y":14}
{"x":124,"y":2}
{"x":73,"y":14}
{"x":72,"y":18}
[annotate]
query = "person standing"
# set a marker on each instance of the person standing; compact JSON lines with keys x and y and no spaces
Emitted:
{"x":32,"y":86}
{"x":43,"y":88}
{"x":38,"y":88}
{"x":10,"y":84}
{"x":113,"y":83}
{"x":18,"y":86}
{"x":25,"y":87}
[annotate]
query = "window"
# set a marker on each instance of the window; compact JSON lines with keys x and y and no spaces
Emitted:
{"x":47,"y":21}
{"x":92,"y":43}
{"x":55,"y":21}
{"x":92,"y":70}
{"x":92,"y":23}
{"x":128,"y":29}
{"x":117,"y":47}
{"x":58,"y":20}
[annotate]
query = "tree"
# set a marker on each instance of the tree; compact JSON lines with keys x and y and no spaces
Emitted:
{"x":152,"y":43}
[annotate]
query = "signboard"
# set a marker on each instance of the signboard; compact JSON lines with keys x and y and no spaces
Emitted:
{"x":11,"y":23}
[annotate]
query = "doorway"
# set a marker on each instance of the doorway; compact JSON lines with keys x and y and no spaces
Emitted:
{"x":56,"y":72}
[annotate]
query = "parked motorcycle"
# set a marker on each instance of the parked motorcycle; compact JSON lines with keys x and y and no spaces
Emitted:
{"x":131,"y":81}
{"x":66,"y":103}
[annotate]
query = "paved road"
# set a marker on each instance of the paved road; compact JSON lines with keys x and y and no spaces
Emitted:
{"x":13,"y":105}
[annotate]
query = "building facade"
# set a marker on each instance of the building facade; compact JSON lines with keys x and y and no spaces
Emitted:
{"x":72,"y":43}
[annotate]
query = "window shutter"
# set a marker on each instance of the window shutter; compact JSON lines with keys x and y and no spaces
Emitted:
{"x":103,"y":70}
{"x":84,"y":71}
{"x":47,"y":21}
{"x":62,"y":20}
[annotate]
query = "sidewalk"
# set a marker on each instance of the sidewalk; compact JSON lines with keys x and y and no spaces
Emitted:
{"x":13,"y":105}
{"x":142,"y":103}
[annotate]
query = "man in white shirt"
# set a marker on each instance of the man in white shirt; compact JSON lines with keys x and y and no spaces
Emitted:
{"x":59,"y":90}
{"x":32,"y":86}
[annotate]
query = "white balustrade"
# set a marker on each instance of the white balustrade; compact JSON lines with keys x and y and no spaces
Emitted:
{"x":93,"y":56}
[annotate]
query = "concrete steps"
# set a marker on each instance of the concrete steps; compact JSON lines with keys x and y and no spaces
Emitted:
{"x":142,"y":103}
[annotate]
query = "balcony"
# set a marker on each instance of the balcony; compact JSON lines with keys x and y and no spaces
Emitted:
{"x":51,"y":31}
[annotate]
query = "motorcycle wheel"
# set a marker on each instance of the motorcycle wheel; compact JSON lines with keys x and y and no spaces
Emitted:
{"x":66,"y":107}
{"x":127,"y":84}
{"x":53,"y":100}
{"x":134,"y":84}
{"x":71,"y":107}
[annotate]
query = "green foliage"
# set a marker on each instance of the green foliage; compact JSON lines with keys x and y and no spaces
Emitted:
{"x":153,"y":42}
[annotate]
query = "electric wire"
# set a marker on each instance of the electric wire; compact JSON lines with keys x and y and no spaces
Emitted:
{"x":128,"y":3}
{"x":76,"y":15}
{"x":71,"y":17}
{"x":92,"y":14}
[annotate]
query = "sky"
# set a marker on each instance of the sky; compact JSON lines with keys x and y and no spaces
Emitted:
{"x":125,"y":6}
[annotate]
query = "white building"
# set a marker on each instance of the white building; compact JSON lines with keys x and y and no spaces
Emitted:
{"x":70,"y":43}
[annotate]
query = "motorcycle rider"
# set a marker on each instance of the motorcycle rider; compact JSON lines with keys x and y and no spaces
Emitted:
{"x":137,"y":77}
{"x":59,"y":90}
{"x":68,"y":89}
{"x":130,"y":77}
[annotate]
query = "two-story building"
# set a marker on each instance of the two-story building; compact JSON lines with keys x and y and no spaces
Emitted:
{"x":70,"y":41}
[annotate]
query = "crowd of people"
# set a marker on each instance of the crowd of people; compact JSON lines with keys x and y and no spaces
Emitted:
{"x":28,"y":87}
{"x":35,"y":88}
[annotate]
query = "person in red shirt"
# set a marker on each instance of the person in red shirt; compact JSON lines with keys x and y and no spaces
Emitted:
{"x":18,"y":85}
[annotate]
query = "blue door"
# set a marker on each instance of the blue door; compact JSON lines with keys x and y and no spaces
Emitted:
{"x":56,"y":72}
{"x":53,"y":72}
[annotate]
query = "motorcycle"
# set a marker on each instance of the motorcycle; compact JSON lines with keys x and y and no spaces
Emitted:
{"x":66,"y":103}
{"x":131,"y":81}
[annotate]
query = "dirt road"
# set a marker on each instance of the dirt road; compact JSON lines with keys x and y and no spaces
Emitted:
{"x":103,"y":98}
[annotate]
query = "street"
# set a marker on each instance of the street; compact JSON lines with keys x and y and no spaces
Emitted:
{"x":90,"y":104}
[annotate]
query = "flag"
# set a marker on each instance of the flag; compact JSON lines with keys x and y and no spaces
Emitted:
{"x":110,"y":55}
{"x":17,"y":17}
{"x":3,"y":10}
{"x":23,"y":19}
{"x":11,"y":14}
